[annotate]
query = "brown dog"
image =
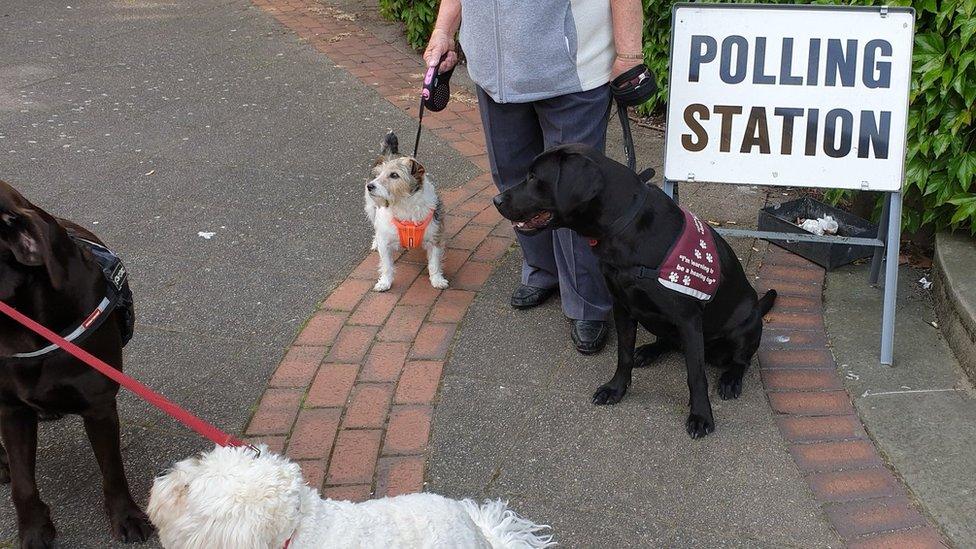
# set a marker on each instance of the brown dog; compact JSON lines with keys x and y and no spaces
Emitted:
{"x":50,"y":271}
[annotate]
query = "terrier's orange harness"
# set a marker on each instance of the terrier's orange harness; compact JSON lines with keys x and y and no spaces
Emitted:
{"x":412,"y":232}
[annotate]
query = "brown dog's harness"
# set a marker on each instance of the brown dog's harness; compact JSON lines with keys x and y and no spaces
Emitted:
{"x":118,"y":295}
{"x":412,"y":232}
{"x":691,"y":266}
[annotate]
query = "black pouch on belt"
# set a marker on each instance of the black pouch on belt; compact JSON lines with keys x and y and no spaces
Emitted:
{"x":633,"y":87}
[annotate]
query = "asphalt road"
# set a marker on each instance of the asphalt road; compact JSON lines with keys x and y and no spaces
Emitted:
{"x":153,"y":122}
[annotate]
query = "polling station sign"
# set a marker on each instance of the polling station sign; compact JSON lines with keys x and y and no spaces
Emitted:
{"x":812,"y":96}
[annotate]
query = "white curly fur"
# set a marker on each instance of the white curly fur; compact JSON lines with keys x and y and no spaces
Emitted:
{"x":229,"y":498}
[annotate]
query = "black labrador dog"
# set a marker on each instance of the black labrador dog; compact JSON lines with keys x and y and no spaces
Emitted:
{"x":632,"y":227}
{"x":47,"y":275}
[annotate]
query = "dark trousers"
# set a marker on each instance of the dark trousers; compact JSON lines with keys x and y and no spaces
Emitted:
{"x":515,"y":134}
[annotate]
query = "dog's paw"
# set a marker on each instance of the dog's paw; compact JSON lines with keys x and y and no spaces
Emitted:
{"x":645,"y":355}
{"x":729,"y":386}
{"x":131,"y":526}
{"x":699,"y":426}
{"x":438,"y":282}
{"x":609,"y":394}
{"x":39,"y":537}
{"x":382,"y":285}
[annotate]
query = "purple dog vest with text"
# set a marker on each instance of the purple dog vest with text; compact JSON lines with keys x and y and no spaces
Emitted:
{"x":692,"y":266}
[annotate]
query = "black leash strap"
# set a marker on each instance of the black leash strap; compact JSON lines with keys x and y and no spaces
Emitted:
{"x":420,"y":125}
{"x":628,"y":137}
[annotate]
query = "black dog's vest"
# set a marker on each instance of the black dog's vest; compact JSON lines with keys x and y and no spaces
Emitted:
{"x":118,"y":295}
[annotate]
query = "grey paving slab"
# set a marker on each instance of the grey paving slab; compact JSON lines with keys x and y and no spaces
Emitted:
{"x":921,"y":412}
{"x":515,"y":421}
{"x":150,"y":122}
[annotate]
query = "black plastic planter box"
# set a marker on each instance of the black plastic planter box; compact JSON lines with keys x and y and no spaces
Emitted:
{"x":782,"y":218}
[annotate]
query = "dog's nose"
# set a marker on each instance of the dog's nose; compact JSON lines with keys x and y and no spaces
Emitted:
{"x":371,"y":187}
{"x":497,"y":201}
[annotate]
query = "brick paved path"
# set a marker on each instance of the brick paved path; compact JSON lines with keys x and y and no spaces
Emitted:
{"x":864,"y":502}
{"x":352,"y":399}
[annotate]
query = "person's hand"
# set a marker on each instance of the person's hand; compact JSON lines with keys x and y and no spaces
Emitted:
{"x":440,"y":43}
{"x":621,"y":66}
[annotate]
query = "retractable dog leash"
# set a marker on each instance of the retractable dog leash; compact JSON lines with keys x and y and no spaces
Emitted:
{"x":632,"y":88}
{"x":201,"y":427}
{"x":434,"y":95}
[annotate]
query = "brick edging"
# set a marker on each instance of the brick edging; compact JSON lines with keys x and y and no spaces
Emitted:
{"x":352,"y":400}
{"x":864,"y":502}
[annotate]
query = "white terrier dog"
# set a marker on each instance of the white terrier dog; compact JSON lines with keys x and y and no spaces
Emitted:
{"x":403,"y":206}
{"x":230,"y":498}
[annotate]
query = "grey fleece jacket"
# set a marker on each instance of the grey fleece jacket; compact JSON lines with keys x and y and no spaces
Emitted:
{"x":526,"y":50}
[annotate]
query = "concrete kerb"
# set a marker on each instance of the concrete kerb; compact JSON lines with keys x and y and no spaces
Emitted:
{"x":955,"y":295}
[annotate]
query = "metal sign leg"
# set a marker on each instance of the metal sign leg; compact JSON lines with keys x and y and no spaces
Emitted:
{"x":671,"y":189}
{"x":893,"y":250}
{"x":878,"y":257}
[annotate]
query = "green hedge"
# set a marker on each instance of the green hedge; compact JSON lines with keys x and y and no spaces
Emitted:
{"x":418,"y":16}
{"x":941,"y":159}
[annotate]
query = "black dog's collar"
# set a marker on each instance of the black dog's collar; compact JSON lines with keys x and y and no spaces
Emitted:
{"x":627,"y":218}
{"x":117,"y":293}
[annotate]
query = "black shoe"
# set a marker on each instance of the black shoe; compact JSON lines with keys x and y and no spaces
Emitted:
{"x":526,"y":297}
{"x":589,"y":336}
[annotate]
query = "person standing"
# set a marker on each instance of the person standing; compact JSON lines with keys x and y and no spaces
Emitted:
{"x":542,"y":70}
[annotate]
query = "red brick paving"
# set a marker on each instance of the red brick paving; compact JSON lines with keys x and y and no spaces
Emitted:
{"x":918,"y":538}
{"x":351,"y":401}
{"x":863,"y":501}
{"x":873,"y":515}
{"x":370,"y":399}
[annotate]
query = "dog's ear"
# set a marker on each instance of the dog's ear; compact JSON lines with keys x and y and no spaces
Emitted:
{"x":580,"y":180}
{"x":167,"y":504}
{"x":418,"y":172}
{"x":30,"y":238}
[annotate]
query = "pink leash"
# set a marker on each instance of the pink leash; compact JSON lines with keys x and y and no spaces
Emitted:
{"x":205,"y":429}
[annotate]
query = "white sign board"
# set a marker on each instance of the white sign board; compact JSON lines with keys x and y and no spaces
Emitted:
{"x":807,"y":96}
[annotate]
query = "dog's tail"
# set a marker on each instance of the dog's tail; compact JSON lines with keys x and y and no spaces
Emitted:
{"x":505,"y":529}
{"x":391,"y":145}
{"x":766,"y":302}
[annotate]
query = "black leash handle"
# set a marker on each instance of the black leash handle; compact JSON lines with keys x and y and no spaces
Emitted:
{"x":434,"y":95}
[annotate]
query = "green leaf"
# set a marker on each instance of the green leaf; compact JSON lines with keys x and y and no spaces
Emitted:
{"x":940,"y":143}
{"x":966,"y":31}
{"x":926,"y":5}
{"x":964,"y":211}
{"x":966,"y":169}
{"x":929,"y":43}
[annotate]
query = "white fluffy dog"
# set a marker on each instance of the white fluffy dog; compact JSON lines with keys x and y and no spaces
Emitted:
{"x":230,"y":498}
{"x":403,"y":206}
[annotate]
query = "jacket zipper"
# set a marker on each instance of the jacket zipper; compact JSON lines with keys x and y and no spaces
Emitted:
{"x":498,"y":52}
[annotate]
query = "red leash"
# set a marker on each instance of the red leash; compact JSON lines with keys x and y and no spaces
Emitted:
{"x":205,"y":429}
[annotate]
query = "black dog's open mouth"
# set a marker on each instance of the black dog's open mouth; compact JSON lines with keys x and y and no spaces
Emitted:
{"x":535,"y":223}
